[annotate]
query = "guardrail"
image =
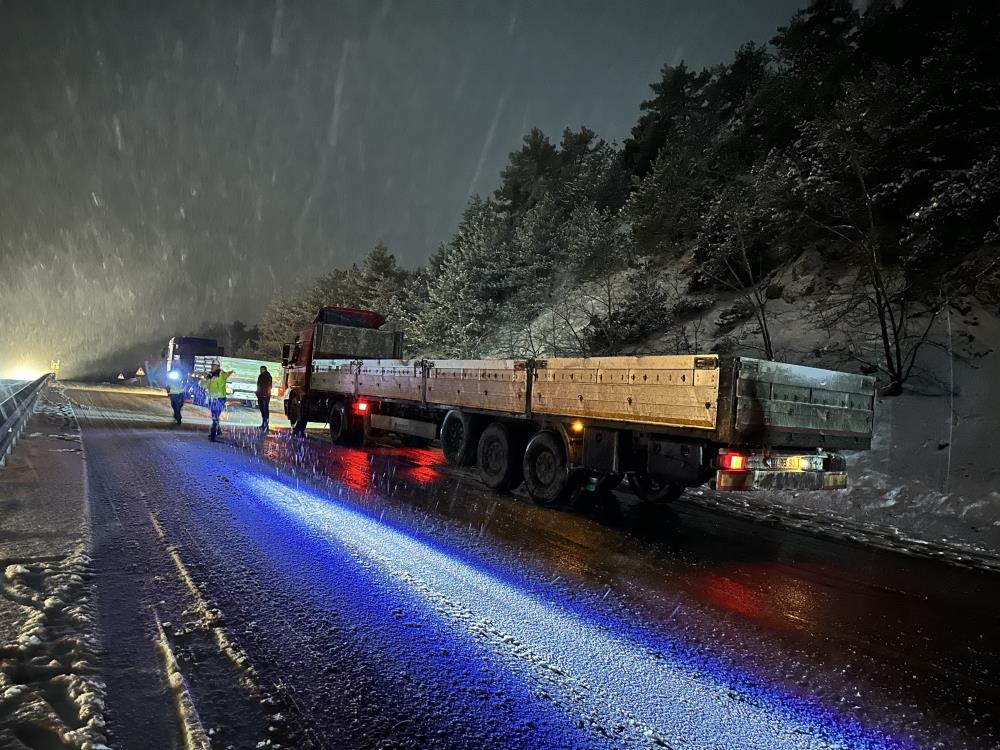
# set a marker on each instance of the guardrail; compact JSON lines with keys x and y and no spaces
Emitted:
{"x":15,"y":409}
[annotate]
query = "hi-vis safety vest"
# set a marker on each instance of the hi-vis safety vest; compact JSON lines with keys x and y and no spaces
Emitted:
{"x":174,"y":387}
{"x":216,"y":386}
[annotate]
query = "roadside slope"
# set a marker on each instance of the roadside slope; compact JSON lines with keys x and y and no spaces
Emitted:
{"x":49,"y":696}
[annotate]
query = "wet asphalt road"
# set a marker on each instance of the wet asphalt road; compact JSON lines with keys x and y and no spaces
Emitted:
{"x":377,"y":598}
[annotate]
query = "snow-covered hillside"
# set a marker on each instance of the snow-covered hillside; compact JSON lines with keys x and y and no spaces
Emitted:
{"x":934,"y":469}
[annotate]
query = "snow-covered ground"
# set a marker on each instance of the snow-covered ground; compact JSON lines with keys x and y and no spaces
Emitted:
{"x":49,"y":696}
{"x":932,"y":474}
{"x":932,"y":478}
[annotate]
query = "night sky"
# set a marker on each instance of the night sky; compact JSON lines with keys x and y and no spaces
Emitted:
{"x":164,"y":164}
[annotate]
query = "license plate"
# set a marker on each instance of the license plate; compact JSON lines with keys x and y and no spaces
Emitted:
{"x":787,"y":463}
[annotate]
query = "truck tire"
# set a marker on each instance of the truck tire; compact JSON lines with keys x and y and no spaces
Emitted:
{"x":499,"y":458}
{"x":293,"y":409}
{"x":344,"y":427}
{"x":652,"y":490}
{"x":459,"y":438}
{"x":546,"y":468}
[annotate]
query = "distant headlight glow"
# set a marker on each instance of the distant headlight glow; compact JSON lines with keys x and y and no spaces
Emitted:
{"x":24,"y":373}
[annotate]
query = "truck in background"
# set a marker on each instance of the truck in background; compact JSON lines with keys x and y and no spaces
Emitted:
{"x":664,"y":422}
{"x":178,"y":358}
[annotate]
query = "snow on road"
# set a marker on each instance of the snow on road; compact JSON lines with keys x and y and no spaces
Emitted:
{"x":618,"y":687}
{"x":382,"y":620}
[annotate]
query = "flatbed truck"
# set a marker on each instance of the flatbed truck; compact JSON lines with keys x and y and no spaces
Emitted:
{"x":666,"y":422}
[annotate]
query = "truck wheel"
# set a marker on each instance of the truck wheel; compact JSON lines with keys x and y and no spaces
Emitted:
{"x":345,"y":428}
{"x":338,"y":422}
{"x":546,"y":469}
{"x":499,"y":458}
{"x":292,"y":409}
{"x":653,"y":490}
{"x":459,"y":439}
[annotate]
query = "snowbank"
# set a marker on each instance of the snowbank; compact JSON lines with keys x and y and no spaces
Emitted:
{"x":930,"y":481}
{"x":49,"y":696}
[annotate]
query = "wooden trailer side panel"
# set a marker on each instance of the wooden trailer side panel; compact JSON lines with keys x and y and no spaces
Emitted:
{"x":497,"y":385}
{"x":398,"y":379}
{"x":333,"y":375}
{"x":678,"y":391}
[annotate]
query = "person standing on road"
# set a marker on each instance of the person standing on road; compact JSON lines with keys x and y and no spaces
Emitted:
{"x":264,"y":382}
{"x":215,"y":387}
{"x":175,"y":389}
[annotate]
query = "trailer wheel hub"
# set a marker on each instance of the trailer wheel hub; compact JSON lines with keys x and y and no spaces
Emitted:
{"x":545,"y":467}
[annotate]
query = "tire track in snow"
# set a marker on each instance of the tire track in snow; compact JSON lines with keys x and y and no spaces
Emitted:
{"x":195,"y":736}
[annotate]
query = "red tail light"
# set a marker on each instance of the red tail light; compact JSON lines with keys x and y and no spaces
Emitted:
{"x":732,"y":462}
{"x":360,"y":407}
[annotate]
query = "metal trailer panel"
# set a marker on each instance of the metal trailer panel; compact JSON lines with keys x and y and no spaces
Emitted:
{"x":675,"y":390}
{"x":781,"y":405}
{"x":246,"y":369}
{"x":243,"y":382}
{"x":405,"y":426}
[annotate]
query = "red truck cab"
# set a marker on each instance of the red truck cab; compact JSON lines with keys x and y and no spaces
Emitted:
{"x":297,"y":358}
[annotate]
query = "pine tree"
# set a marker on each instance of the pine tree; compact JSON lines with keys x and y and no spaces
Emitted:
{"x":529,"y":175}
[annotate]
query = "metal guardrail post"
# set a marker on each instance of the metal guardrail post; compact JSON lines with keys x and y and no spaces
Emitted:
{"x":14,"y":413}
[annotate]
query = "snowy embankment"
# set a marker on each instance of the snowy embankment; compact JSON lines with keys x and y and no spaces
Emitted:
{"x":931,"y":483}
{"x":49,"y":694}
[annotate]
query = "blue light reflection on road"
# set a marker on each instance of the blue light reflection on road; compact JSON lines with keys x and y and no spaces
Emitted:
{"x":615,"y":684}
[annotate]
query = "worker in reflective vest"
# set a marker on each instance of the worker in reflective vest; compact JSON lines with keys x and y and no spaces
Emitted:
{"x":175,"y":390}
{"x":215,"y":386}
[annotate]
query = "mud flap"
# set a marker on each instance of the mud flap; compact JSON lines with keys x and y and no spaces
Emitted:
{"x":764,"y":479}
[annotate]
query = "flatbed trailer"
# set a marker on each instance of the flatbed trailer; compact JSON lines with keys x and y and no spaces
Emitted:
{"x":666,"y":422}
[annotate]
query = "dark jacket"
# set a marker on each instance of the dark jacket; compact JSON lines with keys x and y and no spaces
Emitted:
{"x":264,"y":385}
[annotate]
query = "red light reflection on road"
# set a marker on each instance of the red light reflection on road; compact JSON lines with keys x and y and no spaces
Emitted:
{"x":422,"y":474}
{"x":424,"y":465}
{"x":726,"y":593}
{"x":359,"y":469}
{"x":762,"y":592}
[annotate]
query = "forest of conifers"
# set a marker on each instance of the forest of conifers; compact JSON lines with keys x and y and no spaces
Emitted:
{"x":870,"y":136}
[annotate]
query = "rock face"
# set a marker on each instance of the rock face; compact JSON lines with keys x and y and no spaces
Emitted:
{"x":728,"y":319}
{"x":799,"y":279}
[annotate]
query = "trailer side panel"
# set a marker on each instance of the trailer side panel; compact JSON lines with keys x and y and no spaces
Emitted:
{"x":398,"y":379}
{"x":679,"y":391}
{"x":781,"y":405}
{"x":333,"y":375}
{"x":493,"y":384}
